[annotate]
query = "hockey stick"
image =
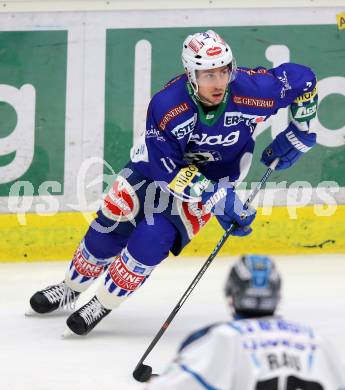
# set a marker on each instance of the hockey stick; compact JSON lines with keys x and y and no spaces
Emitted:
{"x":143,"y":372}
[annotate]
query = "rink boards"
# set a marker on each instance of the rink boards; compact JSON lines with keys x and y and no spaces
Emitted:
{"x":69,"y":118}
{"x":284,"y":231}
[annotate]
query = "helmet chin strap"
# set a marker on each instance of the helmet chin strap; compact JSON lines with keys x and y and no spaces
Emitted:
{"x":195,"y":87}
{"x":196,"y":90}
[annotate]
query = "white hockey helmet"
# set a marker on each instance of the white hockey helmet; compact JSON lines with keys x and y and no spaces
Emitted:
{"x":206,"y":50}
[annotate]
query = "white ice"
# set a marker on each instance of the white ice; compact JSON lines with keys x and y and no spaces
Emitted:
{"x":33,"y":356}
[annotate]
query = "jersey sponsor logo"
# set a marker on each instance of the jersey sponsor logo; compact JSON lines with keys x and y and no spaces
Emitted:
{"x":184,"y":128}
{"x":213,"y":51}
{"x":252,"y":72}
{"x":123,"y":277}
{"x":253,"y":102}
{"x":273,"y":325}
{"x":287,"y":342}
{"x":286,"y":85}
{"x":297,"y":143}
{"x":195,"y":45}
{"x":235,"y":118}
{"x":205,"y":139}
{"x":183,"y":179}
{"x":304,"y":113}
{"x":173,"y":113}
{"x":154,"y":133}
{"x":84,"y":267}
{"x":306,"y":96}
{"x":121,"y":203}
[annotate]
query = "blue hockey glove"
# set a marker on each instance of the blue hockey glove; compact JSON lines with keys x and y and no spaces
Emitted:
{"x":288,"y":146}
{"x":224,"y":203}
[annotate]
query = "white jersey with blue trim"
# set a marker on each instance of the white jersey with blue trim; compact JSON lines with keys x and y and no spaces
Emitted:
{"x":261,"y":354}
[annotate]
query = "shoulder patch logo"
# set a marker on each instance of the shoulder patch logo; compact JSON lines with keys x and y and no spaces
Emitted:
{"x":173,"y":113}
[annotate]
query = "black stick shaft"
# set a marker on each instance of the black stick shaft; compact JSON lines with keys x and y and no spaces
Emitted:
{"x":203,"y":269}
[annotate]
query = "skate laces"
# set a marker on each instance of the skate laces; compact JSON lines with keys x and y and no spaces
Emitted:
{"x":92,"y":311}
{"x":63,"y":294}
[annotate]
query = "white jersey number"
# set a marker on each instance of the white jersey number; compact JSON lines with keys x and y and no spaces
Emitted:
{"x":168,"y":164}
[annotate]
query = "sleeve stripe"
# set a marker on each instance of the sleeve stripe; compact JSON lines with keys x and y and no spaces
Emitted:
{"x":198,"y":378}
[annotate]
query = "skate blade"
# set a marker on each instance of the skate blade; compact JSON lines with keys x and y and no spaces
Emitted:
{"x":30,"y":312}
{"x":67,"y":333}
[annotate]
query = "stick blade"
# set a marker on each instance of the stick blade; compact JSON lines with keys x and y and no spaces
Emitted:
{"x":142,"y":373}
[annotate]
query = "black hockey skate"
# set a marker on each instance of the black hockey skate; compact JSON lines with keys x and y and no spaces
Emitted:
{"x":87,"y":317}
{"x":53,"y":298}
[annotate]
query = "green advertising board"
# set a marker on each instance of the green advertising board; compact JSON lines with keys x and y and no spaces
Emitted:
{"x":33,"y":69}
{"x":33,"y":96}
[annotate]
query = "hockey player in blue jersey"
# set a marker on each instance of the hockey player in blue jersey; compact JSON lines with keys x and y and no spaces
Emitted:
{"x":197,"y":146}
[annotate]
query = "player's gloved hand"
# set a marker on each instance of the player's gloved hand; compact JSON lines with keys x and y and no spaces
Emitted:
{"x":224,"y":203}
{"x":234,"y":212}
{"x":288,"y":146}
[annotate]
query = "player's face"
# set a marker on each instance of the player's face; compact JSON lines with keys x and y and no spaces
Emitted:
{"x":212,"y":84}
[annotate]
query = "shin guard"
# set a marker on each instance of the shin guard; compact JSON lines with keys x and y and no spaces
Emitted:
{"x":124,"y":276}
{"x":84,"y":269}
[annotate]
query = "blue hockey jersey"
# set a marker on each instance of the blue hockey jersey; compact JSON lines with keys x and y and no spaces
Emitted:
{"x":220,"y":143}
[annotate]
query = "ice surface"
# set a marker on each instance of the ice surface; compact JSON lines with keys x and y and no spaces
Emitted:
{"x":34,"y":356}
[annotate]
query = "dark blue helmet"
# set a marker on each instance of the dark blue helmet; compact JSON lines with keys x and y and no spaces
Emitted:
{"x":254,"y":286}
